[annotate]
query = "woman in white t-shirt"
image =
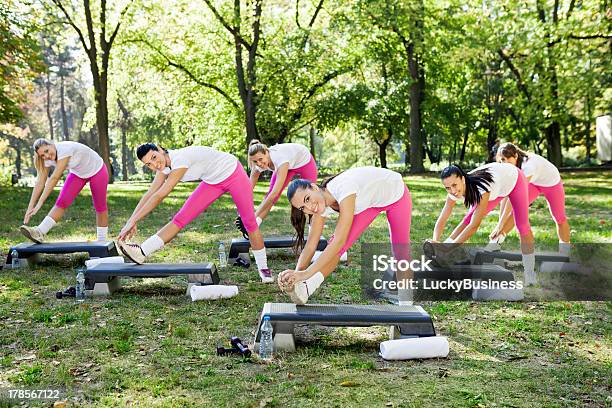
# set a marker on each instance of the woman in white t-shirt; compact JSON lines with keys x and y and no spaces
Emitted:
{"x":85,"y":166}
{"x":219,"y":173}
{"x":286,"y":161}
{"x":358,"y":195}
{"x":481,"y":190}
{"x":544,"y":179}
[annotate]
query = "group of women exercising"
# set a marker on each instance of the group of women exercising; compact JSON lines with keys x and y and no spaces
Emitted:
{"x":356,"y":195}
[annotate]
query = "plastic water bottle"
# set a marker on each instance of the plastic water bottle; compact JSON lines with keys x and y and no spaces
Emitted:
{"x":266,"y":342}
{"x":80,"y":287}
{"x":14,"y":259}
{"x":222,"y":256}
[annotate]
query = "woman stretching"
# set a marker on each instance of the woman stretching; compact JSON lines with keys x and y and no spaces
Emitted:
{"x":543,"y":178}
{"x":286,"y":160}
{"x":358,"y":195}
{"x":481,"y":190}
{"x":220,"y":173}
{"x":85,"y":166}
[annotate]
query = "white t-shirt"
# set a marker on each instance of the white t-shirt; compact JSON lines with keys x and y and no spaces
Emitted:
{"x":373,"y":186}
{"x":504,"y":180}
{"x":295,"y":154}
{"x":543,"y":173}
{"x":84,"y":162}
{"x":202,"y":163}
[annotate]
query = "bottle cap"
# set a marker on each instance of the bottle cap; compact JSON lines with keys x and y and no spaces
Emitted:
{"x":266,"y":317}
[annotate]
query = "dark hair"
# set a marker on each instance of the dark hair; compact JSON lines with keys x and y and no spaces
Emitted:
{"x":298,"y":218}
{"x":145,"y":148}
{"x":473,"y":181}
{"x":508,"y":150}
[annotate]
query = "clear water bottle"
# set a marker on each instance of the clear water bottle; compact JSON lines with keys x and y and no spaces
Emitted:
{"x":80,"y":286}
{"x":266,"y":342}
{"x":222,"y":256}
{"x":14,"y":259}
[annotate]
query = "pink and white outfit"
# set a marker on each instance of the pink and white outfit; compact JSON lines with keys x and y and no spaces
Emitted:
{"x":508,"y":181}
{"x":545,"y":179}
{"x":376,"y":190}
{"x":85,"y":166}
{"x":301,"y":164}
{"x":220,"y":172}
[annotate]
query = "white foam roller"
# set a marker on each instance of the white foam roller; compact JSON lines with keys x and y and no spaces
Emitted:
{"x":317,"y":254}
{"x":498,"y":294}
{"x":90,"y":263}
{"x":419,"y":347}
{"x":211,"y":292}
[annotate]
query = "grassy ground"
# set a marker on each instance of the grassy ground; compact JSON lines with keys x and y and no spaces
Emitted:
{"x":150,"y":346}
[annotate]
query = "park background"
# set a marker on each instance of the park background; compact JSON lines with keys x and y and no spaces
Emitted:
{"x":411,"y":86}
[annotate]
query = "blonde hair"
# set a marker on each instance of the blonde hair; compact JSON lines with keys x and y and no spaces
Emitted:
{"x":255,"y":146}
{"x":38,"y":143}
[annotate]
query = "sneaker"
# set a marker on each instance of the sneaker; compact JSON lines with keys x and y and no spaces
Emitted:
{"x":492,"y":246}
{"x":32,"y":233}
{"x":299,"y":294}
{"x":133,"y":252}
{"x":266,"y":275}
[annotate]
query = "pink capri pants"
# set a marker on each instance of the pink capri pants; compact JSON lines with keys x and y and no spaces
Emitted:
{"x":74,"y":184}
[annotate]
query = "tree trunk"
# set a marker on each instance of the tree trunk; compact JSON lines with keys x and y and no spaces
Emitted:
{"x":382,"y":148}
{"x":312,"y":138}
{"x":463,"y":146}
{"x":553,"y":139}
{"x":123,"y":125}
{"x":49,"y":116}
{"x":587,"y":128}
{"x":63,"y":110}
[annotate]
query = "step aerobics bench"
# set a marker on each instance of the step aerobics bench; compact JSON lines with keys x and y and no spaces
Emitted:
{"x":104,"y":278}
{"x":29,"y":251}
{"x":409,"y":321}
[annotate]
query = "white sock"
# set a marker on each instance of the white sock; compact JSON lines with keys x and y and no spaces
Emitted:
{"x":102,"y":233}
{"x":449,"y":240}
{"x":260,"y":258}
{"x":314,"y":282}
{"x":529,"y":268}
{"x":46,"y":224}
{"x":405,"y":297}
{"x":152,"y":244}
{"x":259,"y":221}
{"x":564,"y":248}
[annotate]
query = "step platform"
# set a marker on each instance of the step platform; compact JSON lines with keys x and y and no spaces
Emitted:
{"x":482,"y":256}
{"x":240,"y":246}
{"x":103,"y":279}
{"x":407,"y":321}
{"x":460,"y":272}
{"x":29,"y":251}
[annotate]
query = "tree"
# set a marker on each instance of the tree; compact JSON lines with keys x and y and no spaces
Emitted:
{"x":98,"y":53}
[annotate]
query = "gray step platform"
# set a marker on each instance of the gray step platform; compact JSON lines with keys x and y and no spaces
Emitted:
{"x":483,"y":257}
{"x":95,"y":249}
{"x":241,"y":246}
{"x":104,"y":278}
{"x":460,"y":272}
{"x":410,"y":321}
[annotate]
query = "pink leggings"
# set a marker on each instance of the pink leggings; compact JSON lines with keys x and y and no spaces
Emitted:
{"x":398,"y":218}
{"x":307,"y":172}
{"x":238,"y":185}
{"x":519,"y":198}
{"x":555,"y":195}
{"x":74,"y":184}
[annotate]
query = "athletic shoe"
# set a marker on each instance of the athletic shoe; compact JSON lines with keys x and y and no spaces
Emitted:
{"x":492,"y":246}
{"x":266,"y":275}
{"x":32,"y":233}
{"x":299,"y":294}
{"x":133,"y":252}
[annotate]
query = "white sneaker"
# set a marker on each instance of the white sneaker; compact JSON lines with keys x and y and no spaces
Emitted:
{"x":492,"y":246}
{"x":133,"y":252}
{"x":299,"y":294}
{"x":266,"y":275}
{"x":32,"y":233}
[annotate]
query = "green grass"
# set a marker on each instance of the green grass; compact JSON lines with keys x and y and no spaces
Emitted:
{"x":150,"y":346}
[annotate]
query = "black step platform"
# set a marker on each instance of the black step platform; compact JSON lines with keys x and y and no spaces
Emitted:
{"x":95,"y":249}
{"x":103,"y":279}
{"x":412,"y":321}
{"x":241,"y":246}
{"x":483,"y":257}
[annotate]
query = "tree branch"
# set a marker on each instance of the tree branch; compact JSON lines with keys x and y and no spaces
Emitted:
{"x":116,"y":30}
{"x":59,"y":4}
{"x":311,"y":23}
{"x":185,"y":70}
{"x":519,"y":80}
{"x":229,"y":28}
